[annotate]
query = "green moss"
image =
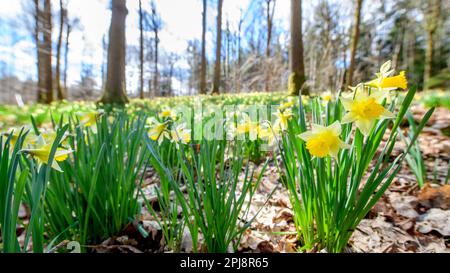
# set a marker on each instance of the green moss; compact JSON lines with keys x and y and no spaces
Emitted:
{"x":295,"y":83}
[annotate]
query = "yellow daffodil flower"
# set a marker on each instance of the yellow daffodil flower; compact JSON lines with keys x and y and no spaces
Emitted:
{"x":287,"y":105}
{"x":42,"y":153}
{"x":14,"y":133}
{"x":283,"y":118}
{"x":247,"y":126}
{"x":326,"y":96}
{"x":48,"y":135}
{"x":365,"y":110}
{"x":180,"y":135}
{"x":324,"y":141}
{"x":89,"y":119}
{"x":168,"y":113}
{"x":385,"y":81}
{"x":158,"y":131}
{"x":269,"y":133}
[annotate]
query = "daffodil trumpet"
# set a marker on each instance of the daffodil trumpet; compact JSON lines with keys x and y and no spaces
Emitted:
{"x":324,"y":141}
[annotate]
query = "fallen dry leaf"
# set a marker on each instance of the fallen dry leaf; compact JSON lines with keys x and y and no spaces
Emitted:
{"x":283,"y":215}
{"x":434,"y":219}
{"x":435,"y":196}
{"x":404,"y":205}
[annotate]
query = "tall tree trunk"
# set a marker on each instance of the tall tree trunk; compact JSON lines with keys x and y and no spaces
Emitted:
{"x":398,"y":48}
{"x":227,"y":57}
{"x":297,"y":67}
{"x":66,"y":51}
{"x":47,"y":35}
{"x":43,"y":39}
{"x":171,"y":68}
{"x":141,"y":51}
{"x":429,"y":52}
{"x":156,"y":76}
{"x":39,"y":52}
{"x":270,"y":10}
{"x":60,"y":92}
{"x":104,"y":59}
{"x":432,"y":16}
{"x":216,"y":81}
{"x":239,"y":57}
{"x":115,"y":80}
{"x":355,"y":38}
{"x":203,"y":65}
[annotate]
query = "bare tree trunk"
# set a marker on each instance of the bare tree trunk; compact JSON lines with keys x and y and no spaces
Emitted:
{"x":155,"y":24}
{"x":141,"y":51}
{"x":43,"y":39}
{"x":115,"y":81}
{"x":104,"y":62}
{"x":432,"y":16}
{"x":297,"y":67}
{"x":355,"y":38}
{"x":270,"y":10}
{"x":203,"y":65}
{"x":47,"y":33}
{"x":398,"y":49}
{"x":227,"y":57}
{"x":66,"y":51}
{"x":344,"y":60}
{"x":60,"y":92}
{"x":216,"y":81}
{"x":239,"y":58}
{"x":39,"y":54}
{"x":156,"y":76}
{"x":429,"y":52}
{"x":171,"y":69}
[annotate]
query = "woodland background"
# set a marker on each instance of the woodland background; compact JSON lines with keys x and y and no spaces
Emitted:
{"x":242,"y":46}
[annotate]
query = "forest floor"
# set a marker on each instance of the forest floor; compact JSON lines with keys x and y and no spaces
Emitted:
{"x":405,"y":219}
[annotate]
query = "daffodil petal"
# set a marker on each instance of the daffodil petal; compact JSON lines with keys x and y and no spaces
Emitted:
{"x":348,"y":118}
{"x":386,"y":66}
{"x":334,"y":151}
{"x":379,"y":96}
{"x":365,"y":126}
{"x":56,"y":166}
{"x":347,"y":103}
{"x":306,"y":136}
{"x":344,"y":145}
{"x":361,"y":94}
{"x":387,"y":114}
{"x":336,"y":128}
{"x":317,"y":127}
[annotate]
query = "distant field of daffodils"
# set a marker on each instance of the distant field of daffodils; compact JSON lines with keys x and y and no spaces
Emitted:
{"x":12,"y":115}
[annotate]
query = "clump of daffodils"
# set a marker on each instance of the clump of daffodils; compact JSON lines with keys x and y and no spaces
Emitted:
{"x":327,"y":158}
